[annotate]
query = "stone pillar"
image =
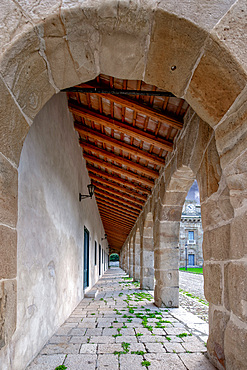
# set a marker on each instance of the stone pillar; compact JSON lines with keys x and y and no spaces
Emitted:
{"x":131,"y":254}
{"x":147,"y":255}
{"x":137,"y":247}
{"x":166,"y":263}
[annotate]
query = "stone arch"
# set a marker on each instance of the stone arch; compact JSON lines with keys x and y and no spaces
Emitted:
{"x":43,"y":51}
{"x":137,"y":252}
{"x":147,"y":254}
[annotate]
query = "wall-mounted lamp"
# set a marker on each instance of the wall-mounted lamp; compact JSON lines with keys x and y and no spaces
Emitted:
{"x":90,"y":191}
{"x":104,"y":237}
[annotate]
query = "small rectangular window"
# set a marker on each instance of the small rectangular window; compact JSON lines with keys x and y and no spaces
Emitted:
{"x":95,"y":254}
{"x":191,"y":235}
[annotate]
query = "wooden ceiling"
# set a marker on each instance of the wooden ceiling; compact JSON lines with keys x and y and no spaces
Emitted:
{"x":125,"y":140}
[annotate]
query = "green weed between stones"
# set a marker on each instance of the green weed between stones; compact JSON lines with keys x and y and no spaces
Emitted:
{"x":194,"y":297}
{"x":125,"y":347}
{"x":141,"y":353}
{"x":146,"y":363}
{"x":61,"y":367}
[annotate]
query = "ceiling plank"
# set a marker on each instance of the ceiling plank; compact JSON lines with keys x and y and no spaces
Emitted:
{"x":125,"y":208}
{"x":119,"y":170}
{"x":119,"y":180}
{"x":115,"y":210}
{"x":98,"y":185}
{"x":122,"y":127}
{"x":121,"y":201}
{"x":108,"y":140}
{"x":140,"y":108}
{"x":121,"y":160}
{"x":110,"y":221}
{"x":119,"y":217}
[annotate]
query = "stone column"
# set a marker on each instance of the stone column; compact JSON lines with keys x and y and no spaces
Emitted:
{"x":147,"y":255}
{"x":166,"y":263}
{"x":137,"y":247}
{"x":131,"y":253}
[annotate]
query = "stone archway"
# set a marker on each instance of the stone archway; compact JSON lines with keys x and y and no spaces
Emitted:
{"x":48,"y":48}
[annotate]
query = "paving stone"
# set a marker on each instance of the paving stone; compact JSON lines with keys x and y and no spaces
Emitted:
{"x":50,"y":349}
{"x":195,"y":361}
{"x":107,"y":361}
{"x":64,"y":330}
{"x":131,"y":361}
{"x":166,"y":361}
{"x":78,"y":339}
{"x":154,"y":347}
{"x":42,"y":362}
{"x":109,"y":331}
{"x":80,"y":362}
{"x":127,"y":339}
{"x":152,"y":339}
{"x":194,"y":346}
{"x":109,"y":348}
{"x":137,"y":347}
{"x":95,"y":331}
{"x":174,"y":347}
{"x":102,"y":339}
{"x":88,"y":348}
{"x":77,"y":331}
{"x":59,"y":339}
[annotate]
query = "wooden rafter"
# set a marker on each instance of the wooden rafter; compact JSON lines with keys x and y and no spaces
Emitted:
{"x":119,"y":194}
{"x":119,"y":170}
{"x":122,"y":201}
{"x":121,"y":160}
{"x":122,"y":127}
{"x":114,"y":203}
{"x":113,"y":217}
{"x":115,"y":222}
{"x":117,"y":179}
{"x":108,"y":140}
{"x":111,"y":208}
{"x":141,"y":108}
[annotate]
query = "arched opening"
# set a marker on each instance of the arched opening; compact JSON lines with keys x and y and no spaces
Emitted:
{"x":38,"y":61}
{"x":114,"y":260}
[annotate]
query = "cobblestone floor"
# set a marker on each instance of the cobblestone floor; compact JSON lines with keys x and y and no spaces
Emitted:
{"x":194,"y":285}
{"x":122,"y":329}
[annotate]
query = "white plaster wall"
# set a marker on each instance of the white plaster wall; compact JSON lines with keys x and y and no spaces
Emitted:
{"x":51,"y":223}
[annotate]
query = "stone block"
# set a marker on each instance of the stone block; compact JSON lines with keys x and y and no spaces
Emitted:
{"x":217,"y":75}
{"x":194,"y":361}
{"x":166,"y":259}
{"x":166,"y":66}
{"x":213,"y":283}
{"x":8,"y":253}
{"x":8,"y":309}
{"x":80,"y":362}
{"x":13,"y":128}
{"x":236,"y":288}
{"x":46,"y":362}
{"x":173,"y":198}
{"x":216,"y":243}
{"x":171,"y":213}
{"x":209,"y":174}
{"x":25,"y":72}
{"x":166,"y":296}
{"x":168,"y":278}
{"x":238,"y":247}
{"x":235,"y":346}
{"x":164,"y":361}
{"x":217,"y":327}
{"x":8,"y":193}
{"x":168,"y":232}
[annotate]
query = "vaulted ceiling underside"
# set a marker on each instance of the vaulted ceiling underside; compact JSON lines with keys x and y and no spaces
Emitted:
{"x":125,"y":140}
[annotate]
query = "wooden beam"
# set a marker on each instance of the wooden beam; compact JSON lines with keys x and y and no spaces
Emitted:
{"x":98,"y":185}
{"x":113,"y":216}
{"x":121,"y":201}
{"x":112,"y":185}
{"x":108,"y":140}
{"x":118,"y":170}
{"x":140,"y":108}
{"x":125,"y":208}
{"x":119,"y":180}
{"x":115,"y":210}
{"x":122,"y":127}
{"x":111,"y":221}
{"x":119,"y":159}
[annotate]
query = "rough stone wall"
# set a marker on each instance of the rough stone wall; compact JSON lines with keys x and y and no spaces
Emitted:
{"x":50,"y":230}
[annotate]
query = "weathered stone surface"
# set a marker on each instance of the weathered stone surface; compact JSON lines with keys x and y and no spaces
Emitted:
{"x":230,"y":31}
{"x":8,"y":253}
{"x":213,"y":283}
{"x":236,"y":288}
{"x":80,"y":362}
{"x":8,"y":193}
{"x":166,"y":258}
{"x":25,"y":72}
{"x":13,"y":128}
{"x":196,"y":361}
{"x":164,"y":361}
{"x":224,"y":82}
{"x":216,"y":244}
{"x":215,"y":344}
{"x":166,"y":66}
{"x":174,"y":198}
{"x":209,"y":174}
{"x":235,"y":346}
{"x":171,"y":213}
{"x":238,"y":247}
{"x":8,"y":308}
{"x":169,"y":278}
{"x":166,"y":296}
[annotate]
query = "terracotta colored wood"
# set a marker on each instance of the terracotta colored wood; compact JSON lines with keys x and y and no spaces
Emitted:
{"x":108,"y":140}
{"x":111,"y":221}
{"x":120,"y":200}
{"x":119,"y":170}
{"x":119,"y":180}
{"x":122,"y":195}
{"x":121,"y":160}
{"x":141,"y":108}
{"x":115,"y":210}
{"x":128,"y":209}
{"x":118,"y":217}
{"x":120,"y":127}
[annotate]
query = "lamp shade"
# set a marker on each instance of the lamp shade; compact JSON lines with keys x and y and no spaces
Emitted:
{"x":90,"y":190}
